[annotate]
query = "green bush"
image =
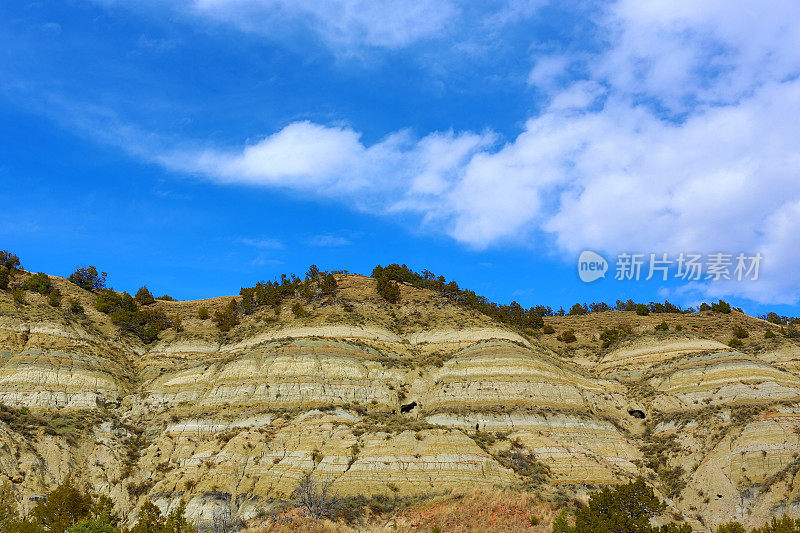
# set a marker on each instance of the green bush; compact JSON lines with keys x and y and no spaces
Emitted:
{"x":19,"y":296}
{"x":624,"y":509}
{"x":642,"y":310}
{"x":328,"y":284}
{"x":75,"y":306}
{"x":769,"y":334}
{"x":299,"y":311}
{"x":203,"y":313}
{"x":547,"y":329}
{"x":731,"y":527}
{"x":54,"y":298}
{"x":663,"y":326}
{"x":578,"y":309}
{"x":124,"y":311}
{"x":88,"y":278}
{"x":740,"y":333}
{"x":9,"y":260}
{"x":39,"y":282}
{"x":5,"y":277}
{"x":721,"y":307}
{"x":165,"y":298}
{"x":144,"y":296}
{"x":784,"y":524}
{"x":389,"y":290}
{"x":228,"y":317}
{"x":612,"y":335}
{"x":735,"y":343}
{"x":568,"y":335}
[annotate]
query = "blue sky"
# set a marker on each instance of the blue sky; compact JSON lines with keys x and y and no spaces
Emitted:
{"x":201,"y":145}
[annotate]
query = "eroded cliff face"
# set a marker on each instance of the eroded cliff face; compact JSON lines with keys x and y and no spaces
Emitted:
{"x":417,"y":398}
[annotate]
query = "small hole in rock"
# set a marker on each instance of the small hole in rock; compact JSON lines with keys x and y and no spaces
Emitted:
{"x":408,"y":407}
{"x":636,"y":413}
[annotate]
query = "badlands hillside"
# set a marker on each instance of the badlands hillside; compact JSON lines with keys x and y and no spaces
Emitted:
{"x":424,"y":397}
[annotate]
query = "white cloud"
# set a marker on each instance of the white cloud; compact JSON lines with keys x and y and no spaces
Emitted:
{"x":263,"y":242}
{"x":680,"y":136}
{"x":328,"y":241}
{"x":345,"y":24}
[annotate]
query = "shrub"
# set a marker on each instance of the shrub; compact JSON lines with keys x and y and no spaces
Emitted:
{"x":328,"y":284}
{"x":548,"y":329}
{"x":124,"y":312}
{"x":731,"y":527}
{"x":642,"y":310}
{"x":54,"y":298}
{"x":144,"y":296}
{"x":315,"y":498}
{"x":578,"y":309}
{"x":769,"y":334}
{"x":740,"y":332}
{"x":389,"y":290}
{"x":785,"y":524}
{"x":88,"y":278}
{"x":721,"y":307}
{"x":735,"y":343}
{"x":228,"y":317}
{"x":75,"y":306}
{"x":624,"y":509}
{"x":40,"y":283}
{"x":177,"y":323}
{"x":299,"y":311}
{"x":313,"y":273}
{"x":5,"y":277}
{"x":568,"y":335}
{"x":203,"y":313}
{"x":612,"y":335}
{"x":165,"y":298}
{"x":151,"y":520}
{"x":19,"y":296}
{"x":525,"y":465}
{"x":65,"y":506}
{"x":663,"y":326}
{"x":9,"y":260}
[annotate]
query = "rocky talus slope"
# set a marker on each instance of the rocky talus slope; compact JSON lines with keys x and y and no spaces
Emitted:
{"x":417,"y":398}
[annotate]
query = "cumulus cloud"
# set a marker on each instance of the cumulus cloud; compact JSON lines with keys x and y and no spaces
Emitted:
{"x":680,"y":134}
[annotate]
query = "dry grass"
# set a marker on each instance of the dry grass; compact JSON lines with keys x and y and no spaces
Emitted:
{"x":502,"y":510}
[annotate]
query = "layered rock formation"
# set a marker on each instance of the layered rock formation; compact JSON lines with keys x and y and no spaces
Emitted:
{"x":418,"y":398}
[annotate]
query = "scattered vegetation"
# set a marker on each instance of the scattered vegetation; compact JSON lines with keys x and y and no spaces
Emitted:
{"x":328,"y":284}
{"x":203,"y":313}
{"x":785,"y":524}
{"x":228,"y":317}
{"x":125,"y":312}
{"x":144,"y":296}
{"x":39,"y":282}
{"x":67,"y":509}
{"x":88,"y":278}
{"x":611,"y":335}
{"x":513,"y":314}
